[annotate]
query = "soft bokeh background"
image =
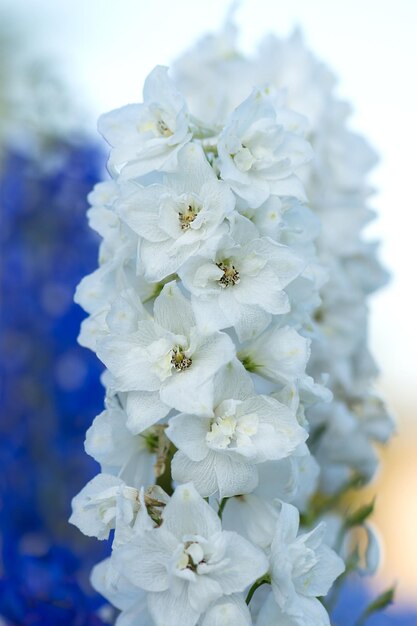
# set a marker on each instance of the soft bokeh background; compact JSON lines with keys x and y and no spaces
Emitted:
{"x":105,"y":48}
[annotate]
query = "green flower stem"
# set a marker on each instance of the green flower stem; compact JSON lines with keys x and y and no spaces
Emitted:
{"x":165,"y":480}
{"x":221,"y":507}
{"x":264,"y":580}
{"x":159,"y":286}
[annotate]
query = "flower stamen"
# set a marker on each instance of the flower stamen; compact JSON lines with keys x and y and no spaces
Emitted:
{"x":230,"y":276}
{"x":192,"y":556}
{"x":163,"y":128}
{"x":187,"y":217}
{"x":179,"y":360}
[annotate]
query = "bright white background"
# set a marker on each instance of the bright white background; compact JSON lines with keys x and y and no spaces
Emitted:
{"x":105,"y":48}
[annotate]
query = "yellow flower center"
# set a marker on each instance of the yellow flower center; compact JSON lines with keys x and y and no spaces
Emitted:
{"x":187,"y":216}
{"x":230,"y":275}
{"x":179,"y":360}
{"x":163,"y":128}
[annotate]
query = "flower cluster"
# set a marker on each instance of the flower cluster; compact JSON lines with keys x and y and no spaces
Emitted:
{"x":210,"y":310}
{"x":345,"y":430}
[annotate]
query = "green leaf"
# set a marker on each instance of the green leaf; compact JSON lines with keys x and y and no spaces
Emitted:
{"x":361,"y":515}
{"x":379,"y":604}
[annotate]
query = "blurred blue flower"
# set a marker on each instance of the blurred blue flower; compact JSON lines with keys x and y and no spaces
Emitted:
{"x":356,"y":595}
{"x":50,"y":389}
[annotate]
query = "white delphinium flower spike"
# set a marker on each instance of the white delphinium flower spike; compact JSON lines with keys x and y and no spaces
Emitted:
{"x":188,"y":563}
{"x":222,"y":306}
{"x":146,"y":137}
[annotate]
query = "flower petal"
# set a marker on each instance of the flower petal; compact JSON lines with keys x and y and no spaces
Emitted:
{"x":246,"y":564}
{"x":144,"y":409}
{"x":188,"y":433}
{"x":187,"y":513}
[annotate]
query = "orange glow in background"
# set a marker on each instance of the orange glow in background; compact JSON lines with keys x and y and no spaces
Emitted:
{"x":395,"y":513}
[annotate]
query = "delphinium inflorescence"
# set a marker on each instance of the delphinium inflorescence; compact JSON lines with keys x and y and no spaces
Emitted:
{"x":205,"y":311}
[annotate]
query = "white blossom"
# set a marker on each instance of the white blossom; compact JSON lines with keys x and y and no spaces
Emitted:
{"x":103,"y":501}
{"x":179,"y":218}
{"x":220,"y":453}
{"x":188,"y":563}
{"x":278,"y":354}
{"x":146,"y":137}
{"x":168,"y":357}
{"x":302,"y":569}
{"x":260,"y":148}
{"x":292,"y":479}
{"x":119,"y":451}
{"x":242,"y":283}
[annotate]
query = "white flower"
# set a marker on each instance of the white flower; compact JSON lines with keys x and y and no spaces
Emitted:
{"x":241,"y":284}
{"x":188,"y":563}
{"x":260,"y":149}
{"x":101,"y":216}
{"x":279,"y":354}
{"x":92,"y":291}
{"x":168,"y":358}
{"x":95,"y":291}
{"x":287,"y":221}
{"x":219,"y":453}
{"x":146,"y":137}
{"x":179,"y":218}
{"x":115,"y":587}
{"x":120,"y":452}
{"x":111,"y":295}
{"x":269,"y":217}
{"x":116,"y":275}
{"x":101,"y":503}
{"x":303,"y":568}
{"x":254,"y":515}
